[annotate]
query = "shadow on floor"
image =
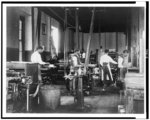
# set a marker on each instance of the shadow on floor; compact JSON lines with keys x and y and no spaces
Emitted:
{"x":93,"y":104}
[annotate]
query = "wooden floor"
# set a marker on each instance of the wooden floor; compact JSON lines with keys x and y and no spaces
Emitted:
{"x":93,"y":104}
{"x":100,"y":103}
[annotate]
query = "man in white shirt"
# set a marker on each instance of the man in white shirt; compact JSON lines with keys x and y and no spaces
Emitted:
{"x":105,"y":61}
{"x":36,"y":57}
{"x":123,"y":64}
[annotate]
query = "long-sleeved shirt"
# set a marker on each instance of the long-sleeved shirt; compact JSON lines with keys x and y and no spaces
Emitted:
{"x":106,"y":59}
{"x":75,"y":60}
{"x":125,"y":60}
{"x":36,"y":58}
{"x":120,"y":62}
{"x":100,"y":53}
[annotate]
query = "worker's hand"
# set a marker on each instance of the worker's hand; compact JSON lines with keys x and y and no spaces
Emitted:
{"x":46,"y":63}
{"x":70,"y":77}
{"x":52,"y":66}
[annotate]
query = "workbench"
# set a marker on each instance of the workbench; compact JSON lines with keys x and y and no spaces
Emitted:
{"x":134,"y":93}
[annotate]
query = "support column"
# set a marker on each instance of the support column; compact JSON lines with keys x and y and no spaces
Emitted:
{"x":116,"y":41}
{"x":33,"y":30}
{"x":89,"y":41}
{"x":142,"y":40}
{"x":39,"y":26}
{"x":82,"y":41}
{"x":77,"y":28}
{"x":65,"y":36}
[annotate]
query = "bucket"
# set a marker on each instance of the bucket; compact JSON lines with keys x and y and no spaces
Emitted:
{"x":49,"y":97}
{"x":121,"y":109}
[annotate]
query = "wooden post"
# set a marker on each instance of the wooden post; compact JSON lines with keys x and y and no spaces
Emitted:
{"x":116,"y":41}
{"x":39,"y":26}
{"x":50,"y":37}
{"x":65,"y":30}
{"x":99,"y":30}
{"x":77,"y":28}
{"x":82,"y":38}
{"x":33,"y":30}
{"x":89,"y":41}
{"x":105,"y":39}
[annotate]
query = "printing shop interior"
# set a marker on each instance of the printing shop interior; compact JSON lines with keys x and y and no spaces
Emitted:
{"x":75,"y":59}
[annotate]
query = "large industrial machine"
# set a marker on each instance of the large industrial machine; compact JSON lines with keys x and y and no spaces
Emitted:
{"x":17,"y":91}
{"x":23,"y":81}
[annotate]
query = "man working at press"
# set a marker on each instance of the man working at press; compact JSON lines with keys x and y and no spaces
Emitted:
{"x":36,"y":58}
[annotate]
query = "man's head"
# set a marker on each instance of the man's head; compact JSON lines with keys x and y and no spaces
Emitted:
{"x":125,"y":51}
{"x":101,"y":47}
{"x":40,"y":49}
{"x":120,"y":55}
{"x":106,"y":51}
{"x":77,"y":51}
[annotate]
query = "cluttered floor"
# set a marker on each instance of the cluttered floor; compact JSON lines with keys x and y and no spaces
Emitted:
{"x":93,"y":104}
{"x":98,"y":102}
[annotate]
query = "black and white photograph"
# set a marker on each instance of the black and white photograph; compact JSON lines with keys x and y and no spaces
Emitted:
{"x":84,"y":60}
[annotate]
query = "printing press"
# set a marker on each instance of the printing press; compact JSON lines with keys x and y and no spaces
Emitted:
{"x":24,"y":80}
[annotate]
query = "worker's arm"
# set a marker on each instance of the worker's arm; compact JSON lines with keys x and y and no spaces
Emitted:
{"x":40,"y":61}
{"x":46,"y":63}
{"x":112,"y":61}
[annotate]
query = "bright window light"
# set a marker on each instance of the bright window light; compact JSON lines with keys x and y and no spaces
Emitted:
{"x":55,"y":37}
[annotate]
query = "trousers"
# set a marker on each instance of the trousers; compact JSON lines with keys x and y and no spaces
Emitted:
{"x":106,"y":72}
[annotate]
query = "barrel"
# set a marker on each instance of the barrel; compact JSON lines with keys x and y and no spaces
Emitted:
{"x":49,"y":96}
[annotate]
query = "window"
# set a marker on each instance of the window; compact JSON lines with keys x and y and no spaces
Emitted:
{"x":21,"y":38}
{"x":55,"y":37}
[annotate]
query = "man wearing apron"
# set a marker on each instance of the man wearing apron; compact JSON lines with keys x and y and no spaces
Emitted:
{"x":105,"y":63}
